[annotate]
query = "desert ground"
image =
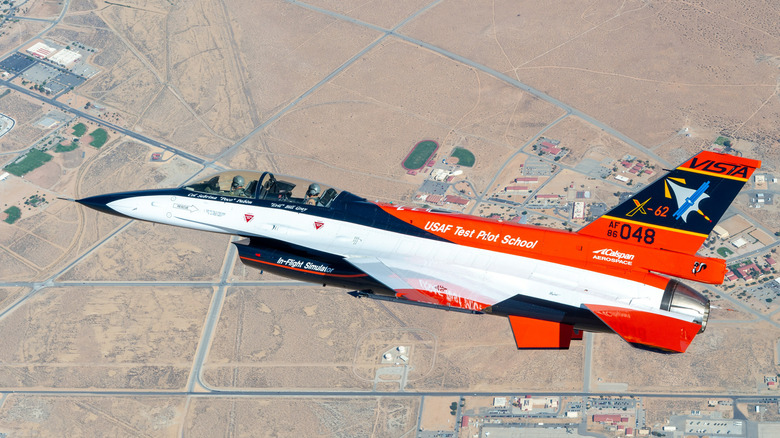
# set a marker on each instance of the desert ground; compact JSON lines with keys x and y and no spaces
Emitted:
{"x":112,"y":327}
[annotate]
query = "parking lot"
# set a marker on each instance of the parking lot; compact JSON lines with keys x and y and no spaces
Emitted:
{"x":17,"y":63}
{"x":612,"y":404}
{"x":714,"y":427}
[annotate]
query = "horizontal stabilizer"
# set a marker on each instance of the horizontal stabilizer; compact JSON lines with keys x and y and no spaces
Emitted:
{"x":537,"y":333}
{"x":648,"y":329}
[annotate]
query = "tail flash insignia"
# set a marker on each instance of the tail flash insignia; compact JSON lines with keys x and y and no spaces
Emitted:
{"x":249,"y":217}
{"x":640,"y":207}
{"x":663,"y":207}
{"x":688,"y":199}
{"x":318,"y":225}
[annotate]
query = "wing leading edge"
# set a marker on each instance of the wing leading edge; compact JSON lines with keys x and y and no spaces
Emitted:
{"x":417,"y":283}
{"x":414,"y":282}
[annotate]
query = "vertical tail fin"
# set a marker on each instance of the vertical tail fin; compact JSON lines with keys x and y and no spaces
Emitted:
{"x":677,"y":211}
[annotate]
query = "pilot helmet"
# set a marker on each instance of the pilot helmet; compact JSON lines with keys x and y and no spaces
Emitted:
{"x":314,"y":190}
{"x":238,"y":182}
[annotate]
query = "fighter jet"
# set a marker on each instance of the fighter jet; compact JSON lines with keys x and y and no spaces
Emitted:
{"x":617,"y":274}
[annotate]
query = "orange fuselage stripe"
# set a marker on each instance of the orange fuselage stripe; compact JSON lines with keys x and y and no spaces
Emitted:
{"x":612,"y":257}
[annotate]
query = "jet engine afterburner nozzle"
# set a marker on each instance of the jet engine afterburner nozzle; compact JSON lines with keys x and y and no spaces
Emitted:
{"x":680,"y":298}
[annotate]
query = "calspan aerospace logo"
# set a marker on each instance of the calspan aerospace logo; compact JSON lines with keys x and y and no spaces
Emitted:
{"x":610,"y":255}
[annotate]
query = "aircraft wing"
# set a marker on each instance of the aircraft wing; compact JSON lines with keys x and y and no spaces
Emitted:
{"x":426,"y":284}
{"x":464,"y":288}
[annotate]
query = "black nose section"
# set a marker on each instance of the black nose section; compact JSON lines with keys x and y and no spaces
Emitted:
{"x":100,"y":203}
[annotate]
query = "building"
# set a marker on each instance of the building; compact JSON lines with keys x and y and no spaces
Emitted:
{"x":550,"y":147}
{"x":41,"y":50}
{"x":609,"y":418}
{"x":552,"y":150}
{"x":527,"y":179}
{"x":721,"y":232}
{"x":747,"y":271}
{"x":578,"y":212}
{"x":622,"y":178}
{"x":47,"y":123}
{"x":456,"y":200}
{"x":65,"y":58}
{"x":735,"y":224}
{"x":517,"y":189}
{"x":434,"y":199}
{"x":529,"y":402}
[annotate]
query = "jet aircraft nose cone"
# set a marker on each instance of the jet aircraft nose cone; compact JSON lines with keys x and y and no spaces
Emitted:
{"x":100,"y":203}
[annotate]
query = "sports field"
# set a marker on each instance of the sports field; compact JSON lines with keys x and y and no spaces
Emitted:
{"x":420,"y":155}
{"x":464,"y":156}
{"x":99,"y":137}
{"x":33,"y":160}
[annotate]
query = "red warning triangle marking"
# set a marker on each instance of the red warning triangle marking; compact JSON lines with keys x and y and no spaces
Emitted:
{"x":318,"y":225}
{"x":249,"y":217}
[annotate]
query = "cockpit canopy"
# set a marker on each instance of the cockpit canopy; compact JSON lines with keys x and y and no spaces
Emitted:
{"x":264,"y":185}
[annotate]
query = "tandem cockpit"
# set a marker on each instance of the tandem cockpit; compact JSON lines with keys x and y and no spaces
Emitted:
{"x":264,"y":185}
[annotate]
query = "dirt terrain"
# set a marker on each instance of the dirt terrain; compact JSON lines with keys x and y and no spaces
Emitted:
{"x":340,"y":92}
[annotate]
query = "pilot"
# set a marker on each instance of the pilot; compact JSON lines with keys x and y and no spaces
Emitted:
{"x":237,"y":187}
{"x":312,"y":194}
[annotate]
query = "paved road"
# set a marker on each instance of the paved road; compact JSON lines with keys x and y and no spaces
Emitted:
{"x":372,"y":394}
{"x":215,"y":308}
{"x":45,"y":20}
{"x":489,"y":186}
{"x":101,"y":122}
{"x":211,"y":322}
{"x":587,"y":362}
{"x":753,"y":253}
{"x":458,"y":417}
{"x":36,"y":287}
{"x":326,"y":79}
{"x":10,"y":16}
{"x":571,"y":110}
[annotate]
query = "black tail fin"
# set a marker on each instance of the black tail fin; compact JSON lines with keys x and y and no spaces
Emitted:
{"x":678,"y":211}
